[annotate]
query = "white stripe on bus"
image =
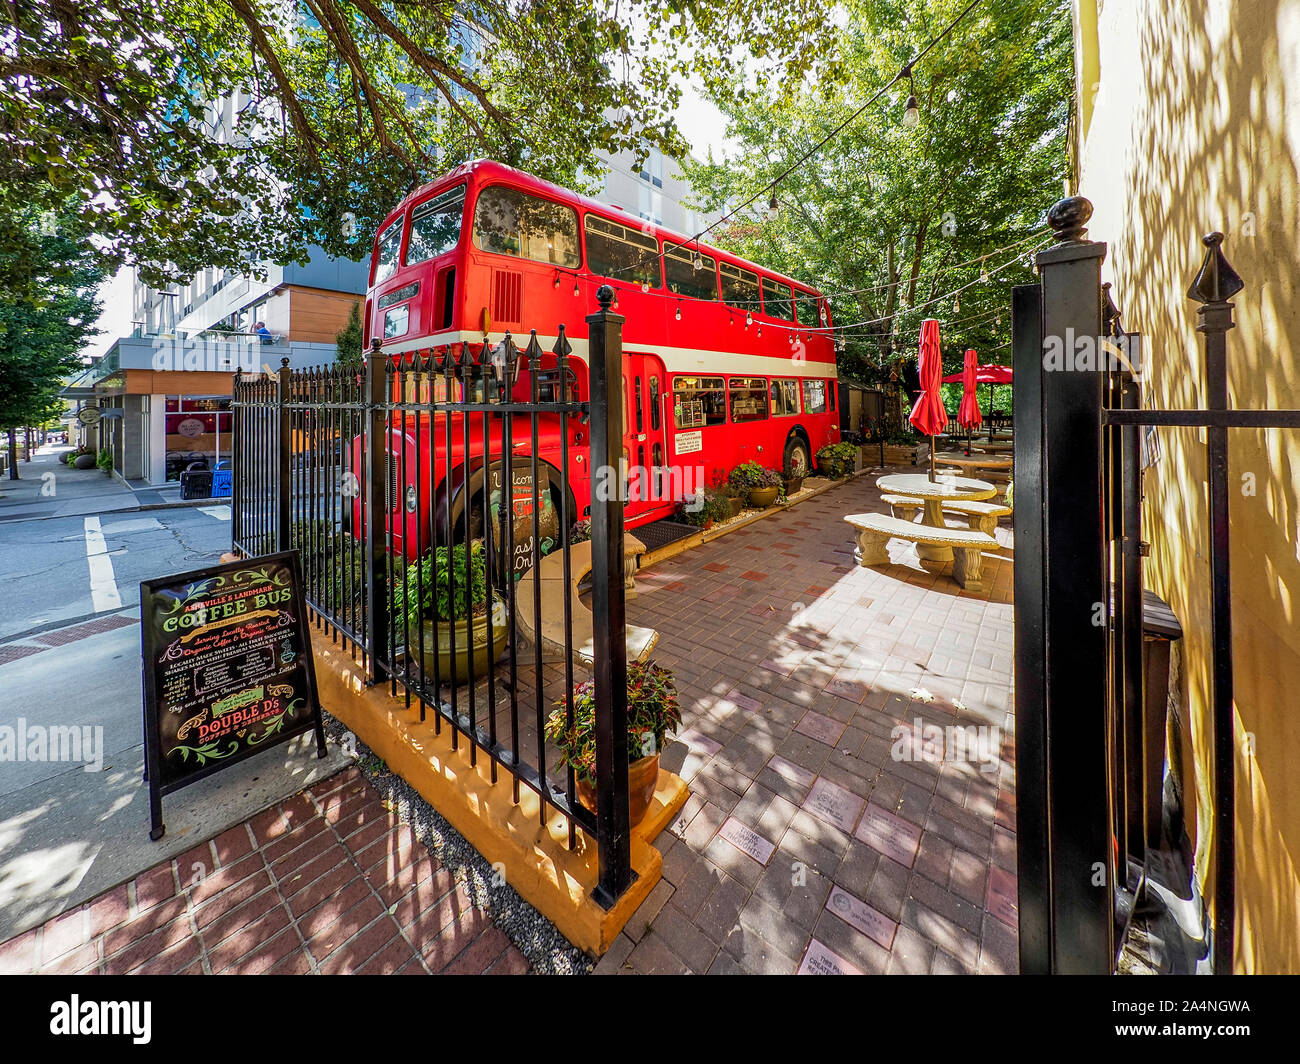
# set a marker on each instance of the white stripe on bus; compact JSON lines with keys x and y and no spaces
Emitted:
{"x":675,"y":359}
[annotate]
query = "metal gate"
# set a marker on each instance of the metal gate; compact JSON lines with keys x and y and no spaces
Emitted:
{"x":1089,"y":752}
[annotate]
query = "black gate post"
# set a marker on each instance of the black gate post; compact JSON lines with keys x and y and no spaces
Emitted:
{"x":613,"y":832}
{"x":374,"y":516}
{"x":284,"y":430}
{"x":1213,"y":287}
{"x":1033,"y":870}
{"x":1069,"y":616}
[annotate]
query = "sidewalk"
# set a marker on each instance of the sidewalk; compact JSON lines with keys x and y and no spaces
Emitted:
{"x":328,"y":882}
{"x":806,"y":845}
{"x":50,"y":488}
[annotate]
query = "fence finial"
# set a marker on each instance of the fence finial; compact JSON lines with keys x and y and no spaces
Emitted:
{"x":605,"y":296}
{"x":1217,"y":281}
{"x":284,"y":361}
{"x":1068,"y":217}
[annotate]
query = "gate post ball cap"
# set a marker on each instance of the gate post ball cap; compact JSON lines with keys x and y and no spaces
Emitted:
{"x":604,"y":296}
{"x":1068,"y":217}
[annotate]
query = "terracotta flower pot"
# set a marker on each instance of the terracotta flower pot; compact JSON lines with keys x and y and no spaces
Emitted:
{"x":642,"y":778}
{"x":792,"y":485}
{"x":486,"y":648}
{"x":735,"y":505}
{"x":762,"y":498}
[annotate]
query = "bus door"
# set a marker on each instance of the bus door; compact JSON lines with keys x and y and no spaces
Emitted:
{"x":648,"y":486}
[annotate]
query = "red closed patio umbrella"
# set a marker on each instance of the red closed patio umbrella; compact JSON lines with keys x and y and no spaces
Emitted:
{"x":991,"y":374}
{"x":968,"y":413}
{"x":928,"y":414}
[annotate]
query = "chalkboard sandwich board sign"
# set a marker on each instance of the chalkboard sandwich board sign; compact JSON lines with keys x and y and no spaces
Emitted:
{"x":227,"y":670}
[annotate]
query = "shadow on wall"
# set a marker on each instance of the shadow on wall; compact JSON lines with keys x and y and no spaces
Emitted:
{"x":1209,"y":138}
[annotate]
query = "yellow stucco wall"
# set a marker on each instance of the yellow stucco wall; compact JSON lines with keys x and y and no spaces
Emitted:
{"x":1193,"y":124}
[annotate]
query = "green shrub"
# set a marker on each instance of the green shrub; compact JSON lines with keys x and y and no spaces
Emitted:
{"x":105,"y":460}
{"x":837,"y":459}
{"x":449,"y":585}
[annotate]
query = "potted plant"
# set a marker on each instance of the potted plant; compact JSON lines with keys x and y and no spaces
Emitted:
{"x":84,"y":459}
{"x":763,"y":485}
{"x":712,"y":506}
{"x":446,"y":592}
{"x":837,"y":459}
{"x":652,"y":713}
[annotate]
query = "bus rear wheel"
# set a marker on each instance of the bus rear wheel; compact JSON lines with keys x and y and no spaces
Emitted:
{"x":797,"y":459}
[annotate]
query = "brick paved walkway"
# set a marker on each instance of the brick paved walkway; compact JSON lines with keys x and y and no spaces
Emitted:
{"x":805,"y":844}
{"x":329,"y":882}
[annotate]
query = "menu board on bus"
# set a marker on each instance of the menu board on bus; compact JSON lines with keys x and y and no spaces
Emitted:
{"x":227,"y":670}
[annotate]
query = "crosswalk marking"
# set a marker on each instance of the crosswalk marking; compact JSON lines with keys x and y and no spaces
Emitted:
{"x":103,"y":583}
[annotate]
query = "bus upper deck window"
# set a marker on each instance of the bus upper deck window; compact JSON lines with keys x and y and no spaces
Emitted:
{"x":615,"y":250}
{"x":739,"y":288}
{"x":807,"y":310}
{"x":435,"y":225}
{"x":778,"y":302}
{"x":684,"y":279}
{"x":508,"y":222}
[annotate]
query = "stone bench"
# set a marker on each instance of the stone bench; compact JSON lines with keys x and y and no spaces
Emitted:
{"x":874,"y":531}
{"x":549,"y":577}
{"x":981,"y":516}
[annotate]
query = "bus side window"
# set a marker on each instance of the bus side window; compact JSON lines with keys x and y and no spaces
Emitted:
{"x":654,"y":404}
{"x":640,"y":418}
{"x":814,"y":396}
{"x":699,"y":401}
{"x":830,"y":388}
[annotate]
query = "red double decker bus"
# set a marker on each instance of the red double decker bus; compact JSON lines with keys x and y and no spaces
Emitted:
{"x":724,"y":361}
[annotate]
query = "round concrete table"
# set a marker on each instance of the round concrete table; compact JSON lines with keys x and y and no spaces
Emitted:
{"x":934,"y":494}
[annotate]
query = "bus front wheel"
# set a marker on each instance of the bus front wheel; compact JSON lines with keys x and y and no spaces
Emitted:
{"x":797,"y":459}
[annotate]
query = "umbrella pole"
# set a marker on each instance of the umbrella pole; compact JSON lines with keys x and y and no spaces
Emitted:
{"x":932,"y":459}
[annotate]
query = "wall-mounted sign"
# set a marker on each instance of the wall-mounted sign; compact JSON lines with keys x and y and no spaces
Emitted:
{"x":227,"y":670}
{"x":190,"y":427}
{"x":88,"y":415}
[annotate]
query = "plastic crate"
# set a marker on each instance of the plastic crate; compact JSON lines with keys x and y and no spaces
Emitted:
{"x":196,"y":484}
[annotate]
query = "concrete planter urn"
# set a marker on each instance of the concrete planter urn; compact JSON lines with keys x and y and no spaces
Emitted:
{"x":480,"y":639}
{"x":84,"y":461}
{"x":762,"y":498}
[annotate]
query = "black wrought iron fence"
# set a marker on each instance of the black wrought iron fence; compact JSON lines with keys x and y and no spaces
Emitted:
{"x":1089,"y":740}
{"x":420,"y":488}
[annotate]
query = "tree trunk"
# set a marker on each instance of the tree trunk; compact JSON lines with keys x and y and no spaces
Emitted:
{"x":27,"y":452}
{"x":13,"y":455}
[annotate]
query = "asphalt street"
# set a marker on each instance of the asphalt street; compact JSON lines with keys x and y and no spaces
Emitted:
{"x":70,"y":658}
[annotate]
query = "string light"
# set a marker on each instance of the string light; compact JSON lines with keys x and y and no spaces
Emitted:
{"x":749,"y":319}
{"x":773,"y":208}
{"x":984,"y":270}
{"x":679,"y":310}
{"x":575,"y":287}
{"x":911,"y":110}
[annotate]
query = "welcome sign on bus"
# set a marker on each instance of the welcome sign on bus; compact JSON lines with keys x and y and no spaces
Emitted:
{"x":227,"y":670}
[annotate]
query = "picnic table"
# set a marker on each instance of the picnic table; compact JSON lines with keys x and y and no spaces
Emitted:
{"x":973,"y":461}
{"x":934,"y":493}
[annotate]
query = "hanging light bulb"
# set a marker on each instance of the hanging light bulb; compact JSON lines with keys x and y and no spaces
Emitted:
{"x":984,"y":270}
{"x":697,"y":262}
{"x":575,"y":286}
{"x":557,"y":280}
{"x":773,"y":208}
{"x":911,"y":109}
{"x":679,"y":310}
{"x":749,"y":319}
{"x":760,"y":332}
{"x":645,"y":286}
{"x":956,"y":305}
